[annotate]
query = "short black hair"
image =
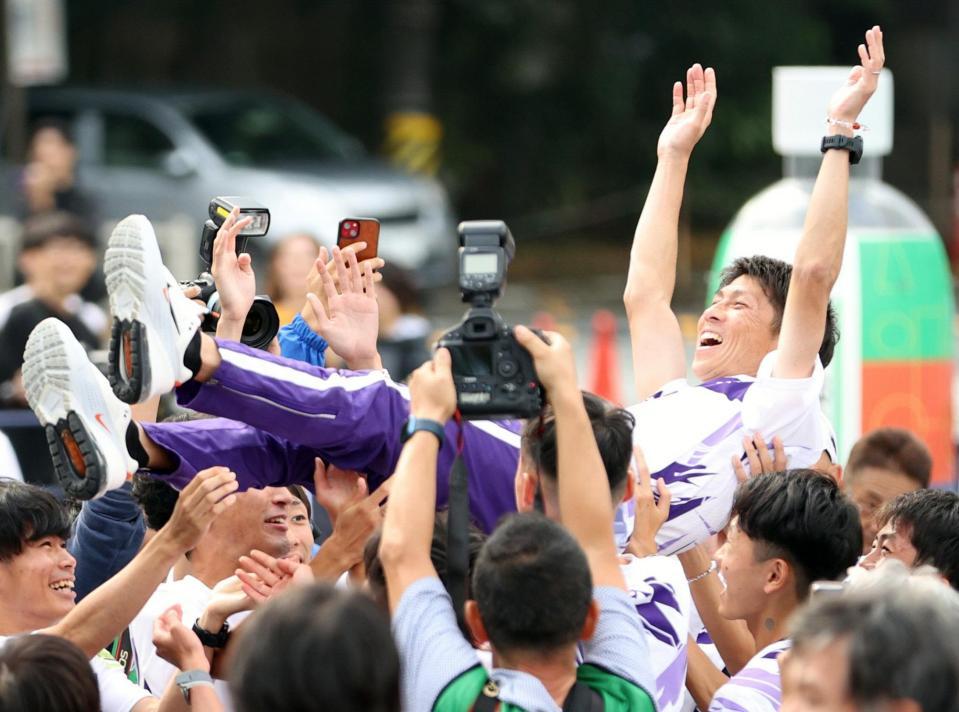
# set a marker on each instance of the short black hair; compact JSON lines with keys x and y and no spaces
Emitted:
{"x":932,"y":517}
{"x":612,"y":428}
{"x":532,"y":585}
{"x":317,"y":647}
{"x":773,"y":276}
{"x":376,"y":577}
{"x":803,"y":517}
{"x":39,"y":230}
{"x":893,"y":449}
{"x":156,"y":498}
{"x":46,"y":672}
{"x":28,"y":513}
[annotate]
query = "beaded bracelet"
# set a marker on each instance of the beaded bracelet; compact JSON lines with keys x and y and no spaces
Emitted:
{"x":704,"y":574}
{"x":851,"y":125}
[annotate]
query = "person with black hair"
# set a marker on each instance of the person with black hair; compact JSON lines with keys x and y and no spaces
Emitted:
{"x":46,"y":672}
{"x":316,"y":648}
{"x":37,"y":577}
{"x":538,"y":588}
{"x":656,"y":583}
{"x":49,"y":178}
{"x":917,"y":528}
{"x":57,"y":256}
{"x":788,"y":529}
{"x":763,"y":342}
{"x":882,"y":465}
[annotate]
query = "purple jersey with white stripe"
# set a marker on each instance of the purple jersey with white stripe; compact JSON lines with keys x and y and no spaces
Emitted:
{"x":755,"y":688}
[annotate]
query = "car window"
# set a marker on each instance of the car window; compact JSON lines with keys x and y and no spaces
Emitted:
{"x":270,"y":134}
{"x":129,"y":141}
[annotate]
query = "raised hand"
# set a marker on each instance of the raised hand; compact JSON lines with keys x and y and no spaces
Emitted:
{"x":432,"y":393}
{"x":651,"y":513}
{"x":758,"y":457}
{"x":554,"y":361}
{"x":861,"y":84}
{"x":692,"y":116}
{"x":176,"y":643}
{"x":233,"y":274}
{"x":350,"y":319}
{"x":337,"y":489}
{"x":264,"y":576}
{"x":209,"y":493}
{"x":314,"y":280}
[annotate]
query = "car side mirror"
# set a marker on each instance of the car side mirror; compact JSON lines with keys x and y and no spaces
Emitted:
{"x":179,"y":163}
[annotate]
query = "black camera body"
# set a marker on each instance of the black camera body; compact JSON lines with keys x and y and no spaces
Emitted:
{"x":493,"y":374}
{"x":262,"y":321}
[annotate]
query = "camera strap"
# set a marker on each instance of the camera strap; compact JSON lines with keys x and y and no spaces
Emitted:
{"x":457,"y":531}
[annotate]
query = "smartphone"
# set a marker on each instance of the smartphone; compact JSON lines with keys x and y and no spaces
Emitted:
{"x":359,"y":229}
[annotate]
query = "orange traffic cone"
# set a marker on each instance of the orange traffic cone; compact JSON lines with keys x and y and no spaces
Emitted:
{"x":604,"y":379}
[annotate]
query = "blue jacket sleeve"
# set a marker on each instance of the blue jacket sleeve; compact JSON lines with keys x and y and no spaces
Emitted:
{"x":106,"y":536}
{"x":299,"y":342}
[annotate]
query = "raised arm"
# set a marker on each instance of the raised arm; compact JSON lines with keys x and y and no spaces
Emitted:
{"x":658,"y":355}
{"x":583,"y":485}
{"x":819,"y":254}
{"x":408,"y":525}
{"x":103,"y":614}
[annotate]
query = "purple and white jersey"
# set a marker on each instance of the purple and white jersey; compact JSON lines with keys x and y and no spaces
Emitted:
{"x":755,"y":688}
{"x":688,"y":434}
{"x":658,"y":587}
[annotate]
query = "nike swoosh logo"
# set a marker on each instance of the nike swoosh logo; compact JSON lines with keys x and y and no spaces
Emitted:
{"x":99,"y":417}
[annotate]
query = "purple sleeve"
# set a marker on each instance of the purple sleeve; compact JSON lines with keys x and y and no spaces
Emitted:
{"x":293,"y":411}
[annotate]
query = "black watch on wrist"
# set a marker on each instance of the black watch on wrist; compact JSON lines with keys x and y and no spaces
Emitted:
{"x":414,"y":425}
{"x":212,"y":640}
{"x":852,"y":144}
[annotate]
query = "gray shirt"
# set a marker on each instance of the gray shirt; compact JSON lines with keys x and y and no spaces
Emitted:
{"x":433,"y":651}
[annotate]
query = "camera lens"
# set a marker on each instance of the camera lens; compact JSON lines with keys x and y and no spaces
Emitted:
{"x":261,"y":325}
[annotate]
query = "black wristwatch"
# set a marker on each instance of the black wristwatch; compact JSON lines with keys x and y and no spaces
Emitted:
{"x":853,"y":145}
{"x":415,"y":424}
{"x":212,"y":640}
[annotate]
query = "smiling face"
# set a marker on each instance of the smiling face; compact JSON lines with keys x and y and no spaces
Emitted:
{"x":300,"y":533}
{"x":260,"y":519}
{"x":871,"y":488}
{"x":736,"y":332}
{"x":36,"y":586}
{"x":892,"y":542}
{"x":745,"y":576}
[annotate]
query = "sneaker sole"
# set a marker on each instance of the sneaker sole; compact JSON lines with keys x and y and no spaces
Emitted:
{"x":125,"y":265}
{"x":79,"y":465}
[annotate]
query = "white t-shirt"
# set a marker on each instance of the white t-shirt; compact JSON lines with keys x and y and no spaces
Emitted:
{"x":117,"y":693}
{"x":659,"y":590}
{"x":757,"y":687}
{"x":192,"y":595}
{"x":9,"y":464}
{"x":689,"y":433}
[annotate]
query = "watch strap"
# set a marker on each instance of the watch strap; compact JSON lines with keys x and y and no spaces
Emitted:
{"x":190,"y":679}
{"x":212,"y":640}
{"x":414,"y":425}
{"x":853,"y":144}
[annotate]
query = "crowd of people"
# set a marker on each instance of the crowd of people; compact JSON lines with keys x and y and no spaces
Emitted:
{"x":705,"y":549}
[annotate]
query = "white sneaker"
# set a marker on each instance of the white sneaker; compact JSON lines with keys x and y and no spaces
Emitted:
{"x":84,"y":422}
{"x":153,"y":322}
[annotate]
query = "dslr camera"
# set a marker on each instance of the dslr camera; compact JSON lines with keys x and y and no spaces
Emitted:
{"x":493,"y":374}
{"x":262,"y":321}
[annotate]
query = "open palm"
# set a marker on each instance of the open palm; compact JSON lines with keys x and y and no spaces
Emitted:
{"x":692,"y":116}
{"x":849,"y":99}
{"x":350,"y":320}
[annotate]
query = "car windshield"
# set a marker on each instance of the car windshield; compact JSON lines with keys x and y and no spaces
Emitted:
{"x":271,"y":134}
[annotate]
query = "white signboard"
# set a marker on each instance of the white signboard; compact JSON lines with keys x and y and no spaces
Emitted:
{"x":36,"y":42}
